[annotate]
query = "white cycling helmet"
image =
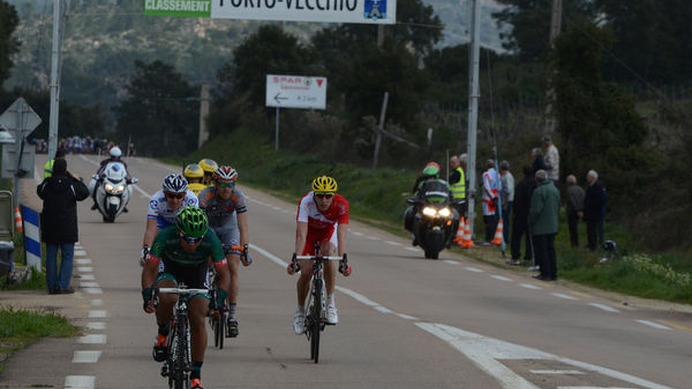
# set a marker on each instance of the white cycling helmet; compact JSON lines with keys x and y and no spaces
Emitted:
{"x":174,"y":183}
{"x":116,"y":152}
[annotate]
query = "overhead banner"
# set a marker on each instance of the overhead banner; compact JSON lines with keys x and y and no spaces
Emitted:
{"x":324,"y":11}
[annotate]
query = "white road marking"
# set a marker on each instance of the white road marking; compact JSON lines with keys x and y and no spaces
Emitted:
{"x":96,"y":303}
{"x":87,"y":277}
{"x":474,"y":269}
{"x":79,"y":253}
{"x":604,"y":307}
{"x":93,"y":290}
{"x":80,"y":382}
{"x":382,"y":309}
{"x":502,"y":278}
{"x":653,"y":324}
{"x":486,"y":353}
{"x":373,"y":238}
{"x":564,"y":296}
{"x":357,"y":296}
{"x":529,"y":286}
{"x":92,"y":339}
{"x":406,"y":317}
{"x":85,"y":269}
{"x":89,"y":284}
{"x":97,"y":314}
{"x":86,"y":356}
{"x":96,"y":326}
{"x":449,"y":261}
{"x":356,"y":233}
{"x":412,"y":249}
{"x":389,"y":242}
{"x":593,"y":387}
{"x":575,"y":372}
{"x":83,"y":261}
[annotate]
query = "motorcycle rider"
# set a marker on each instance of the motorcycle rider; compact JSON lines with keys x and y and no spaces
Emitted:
{"x":115,"y":154}
{"x":194,"y":175}
{"x":163,"y":206}
{"x":431,"y":173}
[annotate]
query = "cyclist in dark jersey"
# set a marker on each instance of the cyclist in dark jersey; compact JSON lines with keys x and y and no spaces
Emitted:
{"x":183,"y":251}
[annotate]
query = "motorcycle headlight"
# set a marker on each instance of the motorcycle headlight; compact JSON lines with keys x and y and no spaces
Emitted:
{"x":445,"y":212}
{"x":114,"y":188}
{"x":109,"y":186}
{"x":429,"y":211}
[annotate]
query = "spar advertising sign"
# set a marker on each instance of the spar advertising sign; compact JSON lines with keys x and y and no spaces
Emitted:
{"x":327,"y":11}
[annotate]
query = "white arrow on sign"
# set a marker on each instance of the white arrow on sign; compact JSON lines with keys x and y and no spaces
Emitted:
{"x":10,"y":119}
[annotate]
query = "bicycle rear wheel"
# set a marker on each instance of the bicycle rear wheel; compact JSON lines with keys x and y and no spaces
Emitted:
{"x":219,"y":331}
{"x":316,"y":322}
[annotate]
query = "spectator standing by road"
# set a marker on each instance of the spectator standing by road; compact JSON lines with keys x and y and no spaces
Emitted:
{"x":594,"y":209}
{"x":491,"y":189}
{"x":574,"y":207}
{"x":545,"y":205}
{"x":457,"y":181}
{"x":537,"y":158}
{"x":60,"y":194}
{"x":552,"y":159}
{"x":507,"y":197}
{"x":520,"y":225}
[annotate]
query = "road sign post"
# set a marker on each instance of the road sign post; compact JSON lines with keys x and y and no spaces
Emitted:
{"x":294,"y":92}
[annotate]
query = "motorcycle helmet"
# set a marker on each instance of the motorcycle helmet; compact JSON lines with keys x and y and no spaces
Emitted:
{"x":324,"y":185}
{"x":191,"y":221}
{"x":174,"y":183}
{"x":431,"y":171}
{"x":225,"y":173}
{"x":115,"y":152}
{"x":193,"y":170}
{"x":208,"y":165}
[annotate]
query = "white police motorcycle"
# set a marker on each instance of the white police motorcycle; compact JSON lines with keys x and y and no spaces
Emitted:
{"x":113,"y":190}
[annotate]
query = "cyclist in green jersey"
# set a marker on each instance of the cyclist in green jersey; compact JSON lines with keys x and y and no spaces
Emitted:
{"x":183,"y":251}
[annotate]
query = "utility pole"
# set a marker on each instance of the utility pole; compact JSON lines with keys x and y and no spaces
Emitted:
{"x":474,"y":95}
{"x":555,"y":28}
{"x":55,"y":78}
{"x":203,"y":114}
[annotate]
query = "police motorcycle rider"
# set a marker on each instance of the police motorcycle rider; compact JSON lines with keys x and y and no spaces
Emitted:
{"x":114,"y":156}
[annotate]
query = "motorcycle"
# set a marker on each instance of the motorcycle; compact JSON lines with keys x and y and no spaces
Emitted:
{"x":113,"y":190}
{"x":433,"y":217}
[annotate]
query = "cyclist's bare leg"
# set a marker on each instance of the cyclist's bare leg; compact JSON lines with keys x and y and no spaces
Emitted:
{"x":164,"y":311}
{"x":328,"y":249}
{"x":303,"y":284}
{"x":233,"y":264}
{"x":197,"y":312}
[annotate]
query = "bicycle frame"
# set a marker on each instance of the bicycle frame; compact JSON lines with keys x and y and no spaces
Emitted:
{"x":179,"y":364}
{"x":315,"y":320}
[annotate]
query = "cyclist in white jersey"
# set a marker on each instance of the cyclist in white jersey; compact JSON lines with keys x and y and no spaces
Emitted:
{"x":225,"y":207}
{"x":163,"y":206}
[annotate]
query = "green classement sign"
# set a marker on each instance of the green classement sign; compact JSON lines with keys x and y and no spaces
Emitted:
{"x":184,"y":8}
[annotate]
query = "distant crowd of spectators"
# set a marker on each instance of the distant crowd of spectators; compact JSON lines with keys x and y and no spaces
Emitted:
{"x":79,"y":145}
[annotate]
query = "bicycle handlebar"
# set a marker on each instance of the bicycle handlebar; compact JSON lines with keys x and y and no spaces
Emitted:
{"x":182,"y":291}
{"x":312,"y":257}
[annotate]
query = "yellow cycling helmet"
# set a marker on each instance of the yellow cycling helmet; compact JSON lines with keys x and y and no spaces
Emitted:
{"x":324,"y":185}
{"x":208,"y":165}
{"x":193,"y":170}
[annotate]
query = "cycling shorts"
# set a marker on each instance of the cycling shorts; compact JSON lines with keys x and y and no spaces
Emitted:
{"x":196,"y":277}
{"x":312,"y":239}
{"x":229,"y":235}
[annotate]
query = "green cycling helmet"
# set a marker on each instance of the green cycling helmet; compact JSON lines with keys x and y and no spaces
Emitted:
{"x":431,"y":171}
{"x":192,"y":221}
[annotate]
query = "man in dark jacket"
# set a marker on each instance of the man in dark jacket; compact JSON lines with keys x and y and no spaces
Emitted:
{"x":60,"y":194}
{"x":594,"y":204}
{"x":520,"y":223}
{"x":545,"y":205}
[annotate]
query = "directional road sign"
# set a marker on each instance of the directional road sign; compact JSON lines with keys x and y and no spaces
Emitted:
{"x":296,"y":92}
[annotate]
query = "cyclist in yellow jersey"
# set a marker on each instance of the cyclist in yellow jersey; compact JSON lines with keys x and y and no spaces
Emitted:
{"x":194,"y":174}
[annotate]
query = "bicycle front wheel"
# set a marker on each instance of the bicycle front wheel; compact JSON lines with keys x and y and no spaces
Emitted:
{"x":316,"y":322}
{"x":181,"y":357}
{"x":219,"y":331}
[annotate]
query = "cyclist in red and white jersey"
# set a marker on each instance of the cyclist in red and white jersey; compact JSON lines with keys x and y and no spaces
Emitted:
{"x":322,"y":218}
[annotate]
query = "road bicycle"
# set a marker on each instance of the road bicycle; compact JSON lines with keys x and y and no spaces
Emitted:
{"x":178,"y":365}
{"x":315,"y":320}
{"x":217,"y":321}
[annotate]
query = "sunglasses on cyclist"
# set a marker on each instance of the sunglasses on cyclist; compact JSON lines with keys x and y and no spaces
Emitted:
{"x":225,"y":184}
{"x":175,"y":195}
{"x":324,"y":195}
{"x":191,"y":239}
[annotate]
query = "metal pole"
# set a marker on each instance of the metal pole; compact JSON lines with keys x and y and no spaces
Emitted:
{"x":19,"y":135}
{"x":276,"y":131}
{"x":555,"y":26}
{"x":55,"y":81}
{"x":474,"y":94}
{"x":203,"y":113}
{"x":380,"y":128}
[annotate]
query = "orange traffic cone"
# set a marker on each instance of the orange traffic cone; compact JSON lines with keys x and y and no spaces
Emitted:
{"x":18,"y":226}
{"x":460,"y":232}
{"x":498,"y":234}
{"x":466,"y":241}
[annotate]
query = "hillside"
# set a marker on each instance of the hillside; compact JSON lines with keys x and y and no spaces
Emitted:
{"x":102,"y":39}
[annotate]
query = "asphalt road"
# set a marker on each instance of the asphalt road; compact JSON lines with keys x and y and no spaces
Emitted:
{"x":406,"y":322}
